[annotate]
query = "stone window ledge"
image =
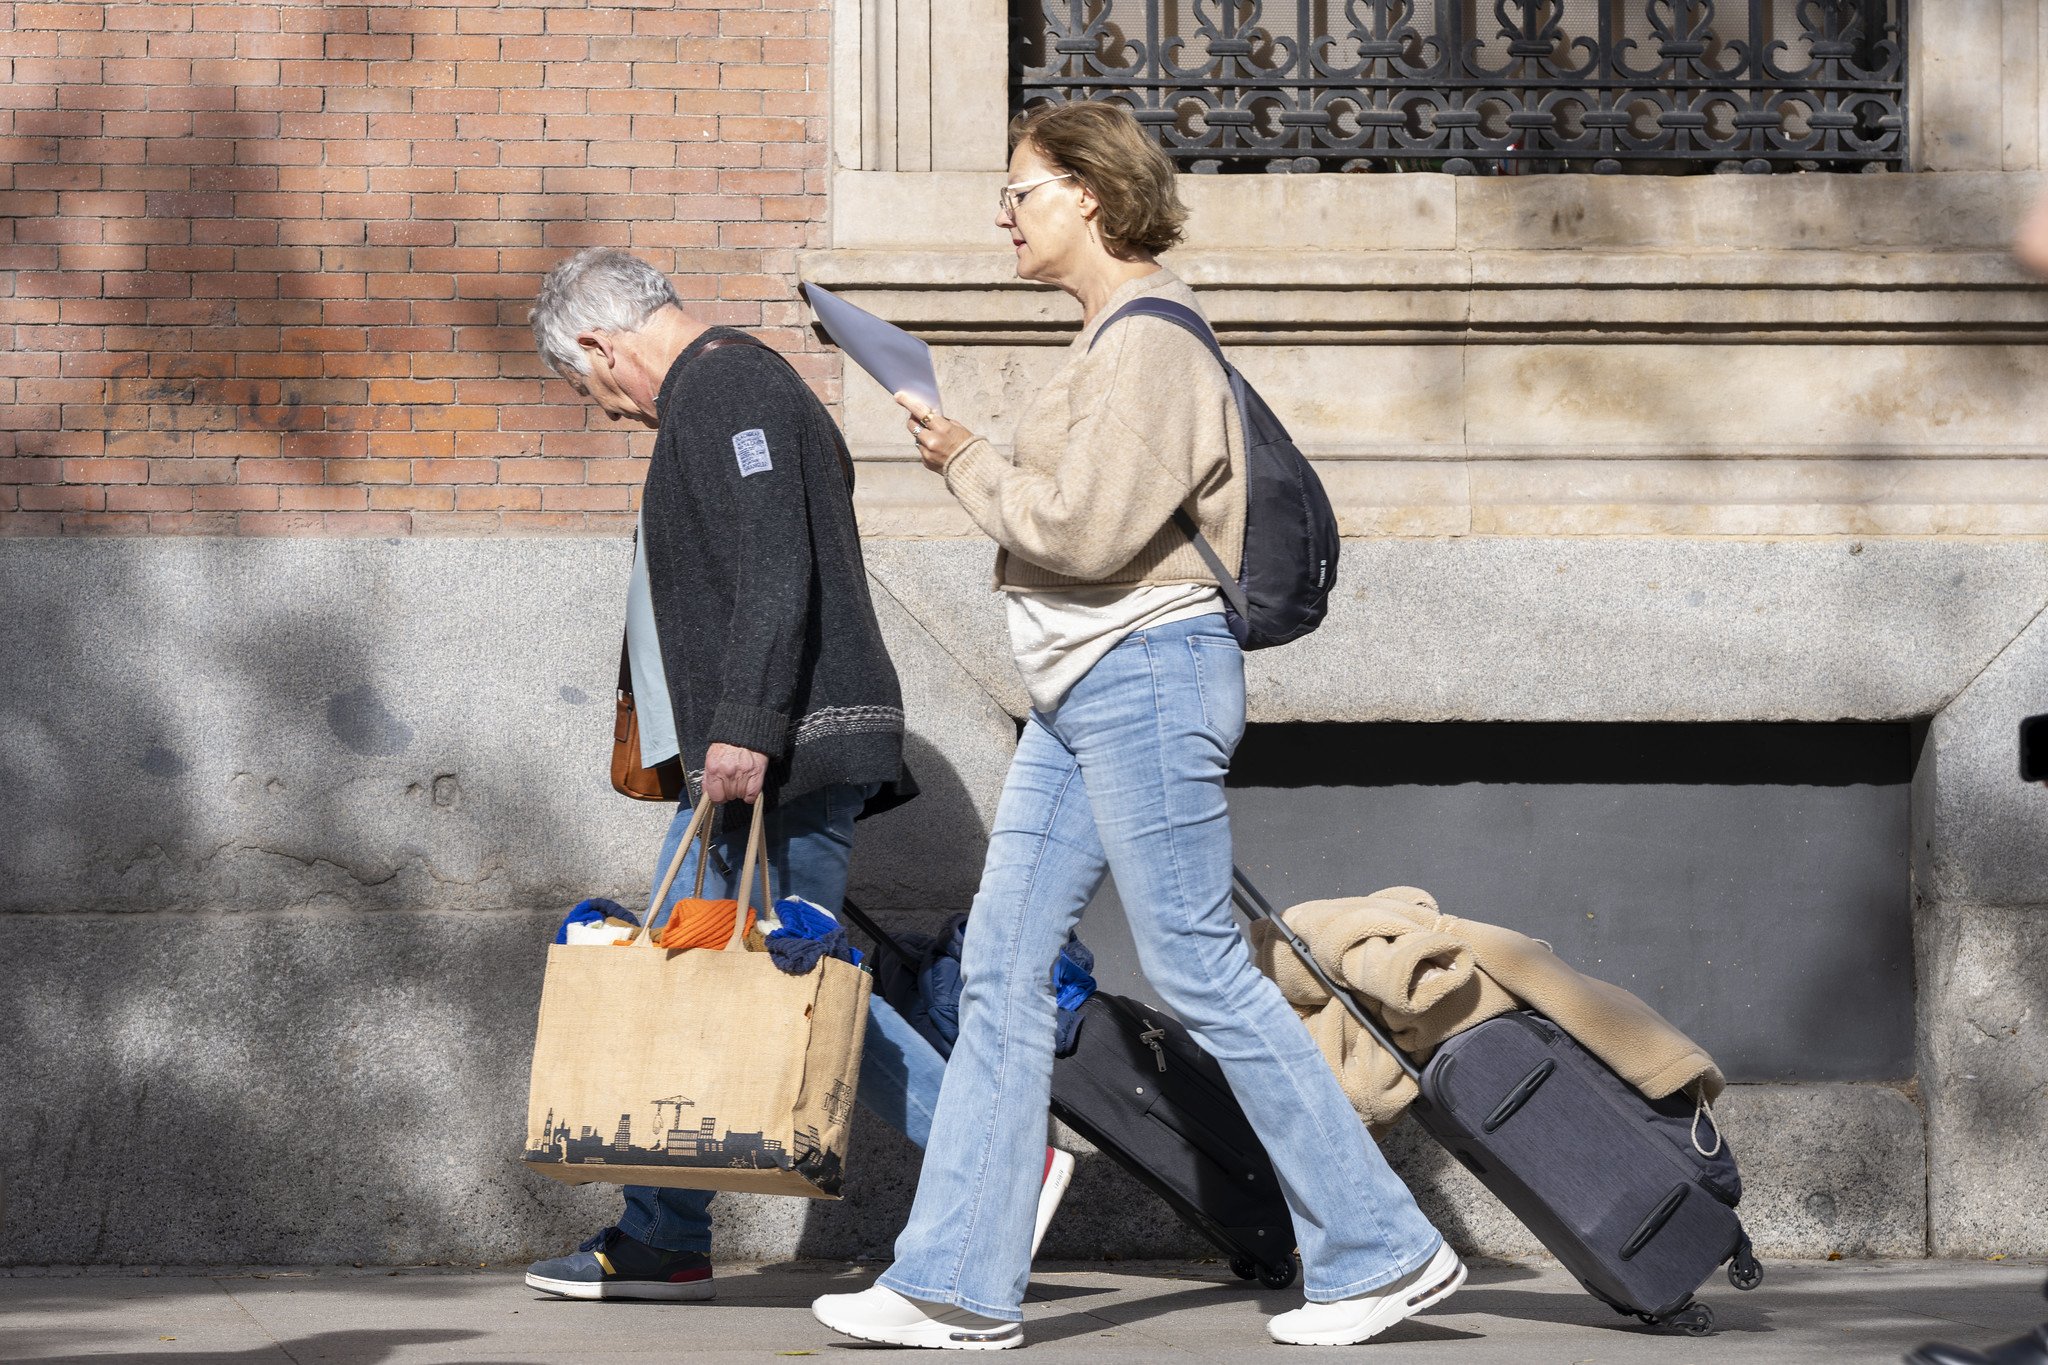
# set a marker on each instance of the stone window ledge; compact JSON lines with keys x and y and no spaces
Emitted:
{"x":1958,"y":211}
{"x":1433,"y":258}
{"x":1456,"y":296}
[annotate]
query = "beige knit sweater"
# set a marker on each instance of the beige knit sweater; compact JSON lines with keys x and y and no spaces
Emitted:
{"x":1122,"y":436}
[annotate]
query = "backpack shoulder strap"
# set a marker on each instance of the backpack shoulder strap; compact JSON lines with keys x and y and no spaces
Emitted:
{"x":1186,"y":318}
{"x":1179,"y":314}
{"x":1233,"y":591}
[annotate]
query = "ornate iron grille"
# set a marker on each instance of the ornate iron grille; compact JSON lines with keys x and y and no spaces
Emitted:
{"x":1485,"y":85}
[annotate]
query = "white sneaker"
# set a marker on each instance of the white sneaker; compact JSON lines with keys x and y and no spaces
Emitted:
{"x":1349,"y":1321}
{"x":1059,"y":1170}
{"x":885,"y":1316}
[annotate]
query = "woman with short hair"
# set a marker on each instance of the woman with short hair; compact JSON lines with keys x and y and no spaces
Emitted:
{"x":1137,"y":692}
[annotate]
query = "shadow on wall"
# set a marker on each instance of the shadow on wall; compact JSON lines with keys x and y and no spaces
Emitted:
{"x":214,"y":726}
{"x":285,"y":316}
{"x":258,"y":725}
{"x":307,"y":1087}
{"x":340,"y":793}
{"x":924,"y":857}
{"x":1750,"y":882}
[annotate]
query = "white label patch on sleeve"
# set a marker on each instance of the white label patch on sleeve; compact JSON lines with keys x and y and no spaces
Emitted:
{"x":751,"y":449}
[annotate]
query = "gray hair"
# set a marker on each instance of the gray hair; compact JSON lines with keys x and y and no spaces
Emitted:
{"x":599,"y":289}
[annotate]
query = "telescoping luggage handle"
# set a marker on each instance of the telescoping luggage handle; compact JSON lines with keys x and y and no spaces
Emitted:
{"x":882,"y":937}
{"x":1255,"y":907}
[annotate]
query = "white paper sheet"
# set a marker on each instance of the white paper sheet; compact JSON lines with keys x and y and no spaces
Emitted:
{"x":898,"y":361}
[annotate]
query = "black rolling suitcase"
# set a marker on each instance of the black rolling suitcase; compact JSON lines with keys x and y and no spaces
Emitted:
{"x":1610,"y":1182}
{"x":1140,"y":1089}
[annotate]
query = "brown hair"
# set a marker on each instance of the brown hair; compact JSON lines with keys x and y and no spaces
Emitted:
{"x":1102,"y":146}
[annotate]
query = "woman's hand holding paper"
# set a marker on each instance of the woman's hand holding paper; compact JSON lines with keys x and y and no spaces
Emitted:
{"x":938,"y":438}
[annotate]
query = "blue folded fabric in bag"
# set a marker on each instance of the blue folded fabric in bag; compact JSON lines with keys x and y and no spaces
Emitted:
{"x":808,"y":933}
{"x":596,"y":920}
{"x":798,"y":955}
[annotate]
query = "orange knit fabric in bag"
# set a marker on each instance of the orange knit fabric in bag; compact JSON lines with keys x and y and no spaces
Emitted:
{"x":696,"y":922}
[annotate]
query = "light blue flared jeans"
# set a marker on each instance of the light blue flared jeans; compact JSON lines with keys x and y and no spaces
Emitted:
{"x":1126,"y":774}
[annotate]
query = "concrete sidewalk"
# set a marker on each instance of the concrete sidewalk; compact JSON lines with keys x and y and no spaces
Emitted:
{"x":1509,"y":1314}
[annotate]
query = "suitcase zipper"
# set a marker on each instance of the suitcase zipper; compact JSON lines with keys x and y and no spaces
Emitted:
{"x":1163,"y":1110}
{"x":1150,"y":1038}
{"x":1189,"y":1072}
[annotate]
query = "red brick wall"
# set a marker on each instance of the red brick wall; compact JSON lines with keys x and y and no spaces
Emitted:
{"x":267,"y":266}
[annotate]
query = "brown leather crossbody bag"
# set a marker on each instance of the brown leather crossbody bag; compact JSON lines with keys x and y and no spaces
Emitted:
{"x":663,"y":781}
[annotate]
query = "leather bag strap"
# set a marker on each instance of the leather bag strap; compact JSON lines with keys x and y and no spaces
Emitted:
{"x":625,"y":665}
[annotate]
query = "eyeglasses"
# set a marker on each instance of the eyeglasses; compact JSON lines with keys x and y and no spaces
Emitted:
{"x":1010,"y":196}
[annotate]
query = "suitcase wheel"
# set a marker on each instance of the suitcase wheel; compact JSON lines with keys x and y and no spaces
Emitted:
{"x":1271,"y":1276}
{"x":1694,"y":1320}
{"x":1745,"y":1272}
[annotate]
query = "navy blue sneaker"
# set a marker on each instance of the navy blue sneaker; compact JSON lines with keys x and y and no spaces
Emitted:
{"x":612,"y":1265}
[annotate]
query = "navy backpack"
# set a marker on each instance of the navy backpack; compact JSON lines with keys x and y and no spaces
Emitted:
{"x":1290,"y":530}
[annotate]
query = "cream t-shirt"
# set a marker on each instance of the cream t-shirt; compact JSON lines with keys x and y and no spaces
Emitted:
{"x":1057,"y":635}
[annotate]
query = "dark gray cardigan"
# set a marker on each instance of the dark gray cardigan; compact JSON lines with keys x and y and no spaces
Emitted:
{"x":760,"y":595}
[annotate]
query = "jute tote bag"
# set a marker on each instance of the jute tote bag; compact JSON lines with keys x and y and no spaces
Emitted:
{"x":701,"y":1069}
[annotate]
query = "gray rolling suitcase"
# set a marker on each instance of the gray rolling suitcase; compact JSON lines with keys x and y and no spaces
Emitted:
{"x":1613,"y":1184}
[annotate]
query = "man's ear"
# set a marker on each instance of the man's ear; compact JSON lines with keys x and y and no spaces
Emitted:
{"x":596,"y":344}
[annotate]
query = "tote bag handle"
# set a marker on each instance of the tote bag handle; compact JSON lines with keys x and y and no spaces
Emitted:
{"x":699,"y":832}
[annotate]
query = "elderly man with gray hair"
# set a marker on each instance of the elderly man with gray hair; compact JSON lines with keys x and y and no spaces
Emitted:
{"x":767,"y":662}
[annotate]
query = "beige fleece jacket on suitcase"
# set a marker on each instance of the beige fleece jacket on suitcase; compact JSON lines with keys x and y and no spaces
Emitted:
{"x":1427,"y":976}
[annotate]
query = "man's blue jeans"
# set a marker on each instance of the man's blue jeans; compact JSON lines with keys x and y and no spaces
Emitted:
{"x":1127,"y":773}
{"x":810,"y":840}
